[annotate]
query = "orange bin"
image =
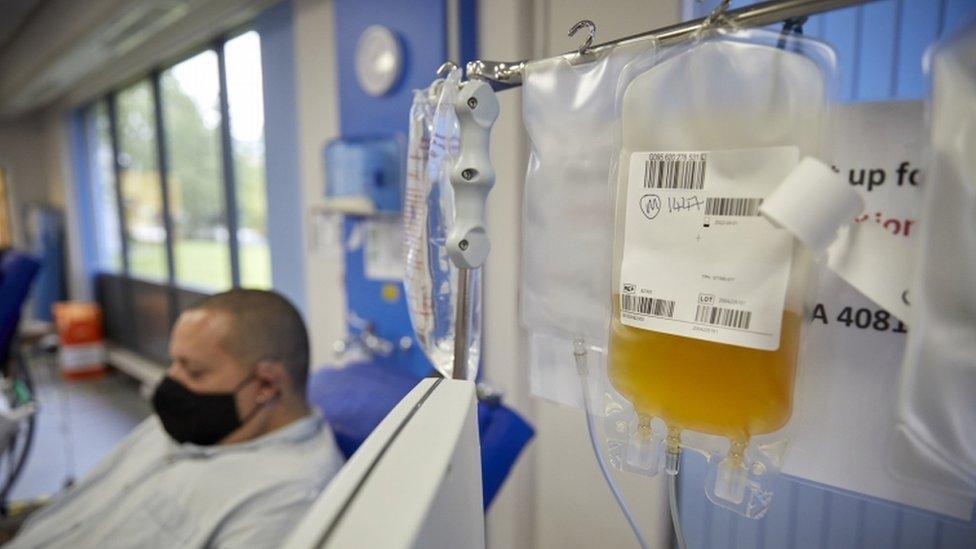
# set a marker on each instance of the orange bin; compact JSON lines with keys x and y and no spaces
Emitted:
{"x":82,"y":351}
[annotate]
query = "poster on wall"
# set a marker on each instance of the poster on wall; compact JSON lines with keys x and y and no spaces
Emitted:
{"x":383,"y":255}
{"x":852,"y":353}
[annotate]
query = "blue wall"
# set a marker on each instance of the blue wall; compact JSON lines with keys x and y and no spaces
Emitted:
{"x":806,"y":515}
{"x":421,"y":26}
{"x":284,"y":186}
{"x":84,"y":206}
{"x":880,"y":45}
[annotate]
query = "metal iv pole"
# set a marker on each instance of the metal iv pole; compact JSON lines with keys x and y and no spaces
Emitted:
{"x":508,"y":74}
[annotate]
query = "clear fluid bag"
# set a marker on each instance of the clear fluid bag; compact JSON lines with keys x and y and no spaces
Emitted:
{"x":430,"y":279}
{"x":568,"y":110}
{"x":935,"y":444}
{"x":708,"y":298}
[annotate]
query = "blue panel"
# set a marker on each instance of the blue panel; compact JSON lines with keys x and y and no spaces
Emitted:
{"x":698,"y":9}
{"x":956,"y":13}
{"x":721,"y":526}
{"x":421,"y":27}
{"x":469,"y":30}
{"x":876,"y":52}
{"x":782,"y":516}
{"x":734,"y":524}
{"x":749,"y":533}
{"x":805,"y":515}
{"x":809,"y":507}
{"x":917,"y":530}
{"x":843,"y":522}
{"x":814,"y":26}
{"x":390,"y":320}
{"x":840,"y":30}
{"x":919,"y":29}
{"x":84,"y":205}
{"x":284,"y":187}
{"x":367,"y":167}
{"x":47,"y":242}
{"x":956,"y":535}
{"x":881,"y":526}
{"x":692,"y":501}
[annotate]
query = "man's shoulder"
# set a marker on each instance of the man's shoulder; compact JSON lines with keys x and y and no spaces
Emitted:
{"x":148,"y":428}
{"x":147,"y":439}
{"x":316,"y":451}
{"x":307,"y":456}
{"x":275,"y":502}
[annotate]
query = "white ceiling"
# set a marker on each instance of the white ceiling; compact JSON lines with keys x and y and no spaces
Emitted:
{"x":13,"y":14}
{"x":72,"y":50}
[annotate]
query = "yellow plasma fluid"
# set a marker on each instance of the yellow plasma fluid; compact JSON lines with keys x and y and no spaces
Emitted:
{"x":713,"y":388}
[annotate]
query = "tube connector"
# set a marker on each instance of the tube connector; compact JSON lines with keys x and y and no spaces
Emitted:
{"x":643,"y":453}
{"x":672,"y":462}
{"x":579,"y":356}
{"x":672,"y":451}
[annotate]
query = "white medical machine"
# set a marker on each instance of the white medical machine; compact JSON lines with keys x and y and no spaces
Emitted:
{"x":415,"y":482}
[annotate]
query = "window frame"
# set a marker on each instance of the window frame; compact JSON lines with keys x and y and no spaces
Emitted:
{"x":140,"y":310}
{"x":227,"y":167}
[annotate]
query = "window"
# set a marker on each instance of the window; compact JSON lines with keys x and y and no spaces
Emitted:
{"x":142,"y":196}
{"x":245,"y":99}
{"x":177,"y":173}
{"x":191,"y":115}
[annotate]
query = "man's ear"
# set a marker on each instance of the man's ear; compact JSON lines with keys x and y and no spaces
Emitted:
{"x":271,"y":377}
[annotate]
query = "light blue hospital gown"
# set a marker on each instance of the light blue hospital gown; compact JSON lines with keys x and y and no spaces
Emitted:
{"x":153,"y":492}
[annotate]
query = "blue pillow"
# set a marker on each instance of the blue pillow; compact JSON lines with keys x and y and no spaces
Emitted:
{"x":355,"y":399}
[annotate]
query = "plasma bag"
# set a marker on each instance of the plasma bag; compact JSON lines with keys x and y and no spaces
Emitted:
{"x":568,"y":110}
{"x":431,"y":278}
{"x":708,"y":293}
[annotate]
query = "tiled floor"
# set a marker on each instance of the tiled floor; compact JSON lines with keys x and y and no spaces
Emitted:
{"x":79,"y":422}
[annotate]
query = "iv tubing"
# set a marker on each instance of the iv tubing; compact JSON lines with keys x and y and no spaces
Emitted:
{"x":679,"y":535}
{"x":579,"y":353}
{"x":671,"y":466}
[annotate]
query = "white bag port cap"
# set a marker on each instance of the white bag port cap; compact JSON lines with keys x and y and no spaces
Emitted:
{"x":812,"y":203}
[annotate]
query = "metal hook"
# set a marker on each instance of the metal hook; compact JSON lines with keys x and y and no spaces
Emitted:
{"x":791,"y":26}
{"x":445,"y":68}
{"x":434,"y":90}
{"x":591,"y":30}
{"x":716,"y":14}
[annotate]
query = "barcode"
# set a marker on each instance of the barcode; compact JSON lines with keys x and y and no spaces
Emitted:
{"x":678,"y":173}
{"x":742,"y":207}
{"x":720,"y":316}
{"x":647,"y":305}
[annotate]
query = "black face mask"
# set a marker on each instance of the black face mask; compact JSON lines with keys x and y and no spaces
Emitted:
{"x":200,"y":418}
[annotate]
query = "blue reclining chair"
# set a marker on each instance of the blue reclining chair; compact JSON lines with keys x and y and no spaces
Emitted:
{"x":355,"y":399}
{"x":17,"y":273}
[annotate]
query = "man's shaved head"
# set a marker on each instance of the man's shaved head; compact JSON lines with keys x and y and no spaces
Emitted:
{"x":263,"y":326}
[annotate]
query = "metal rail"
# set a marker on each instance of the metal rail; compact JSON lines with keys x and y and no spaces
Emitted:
{"x":508,"y":74}
{"x":462,"y":323}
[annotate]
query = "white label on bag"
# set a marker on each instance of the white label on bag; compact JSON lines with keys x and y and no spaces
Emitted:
{"x":698,"y":260}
